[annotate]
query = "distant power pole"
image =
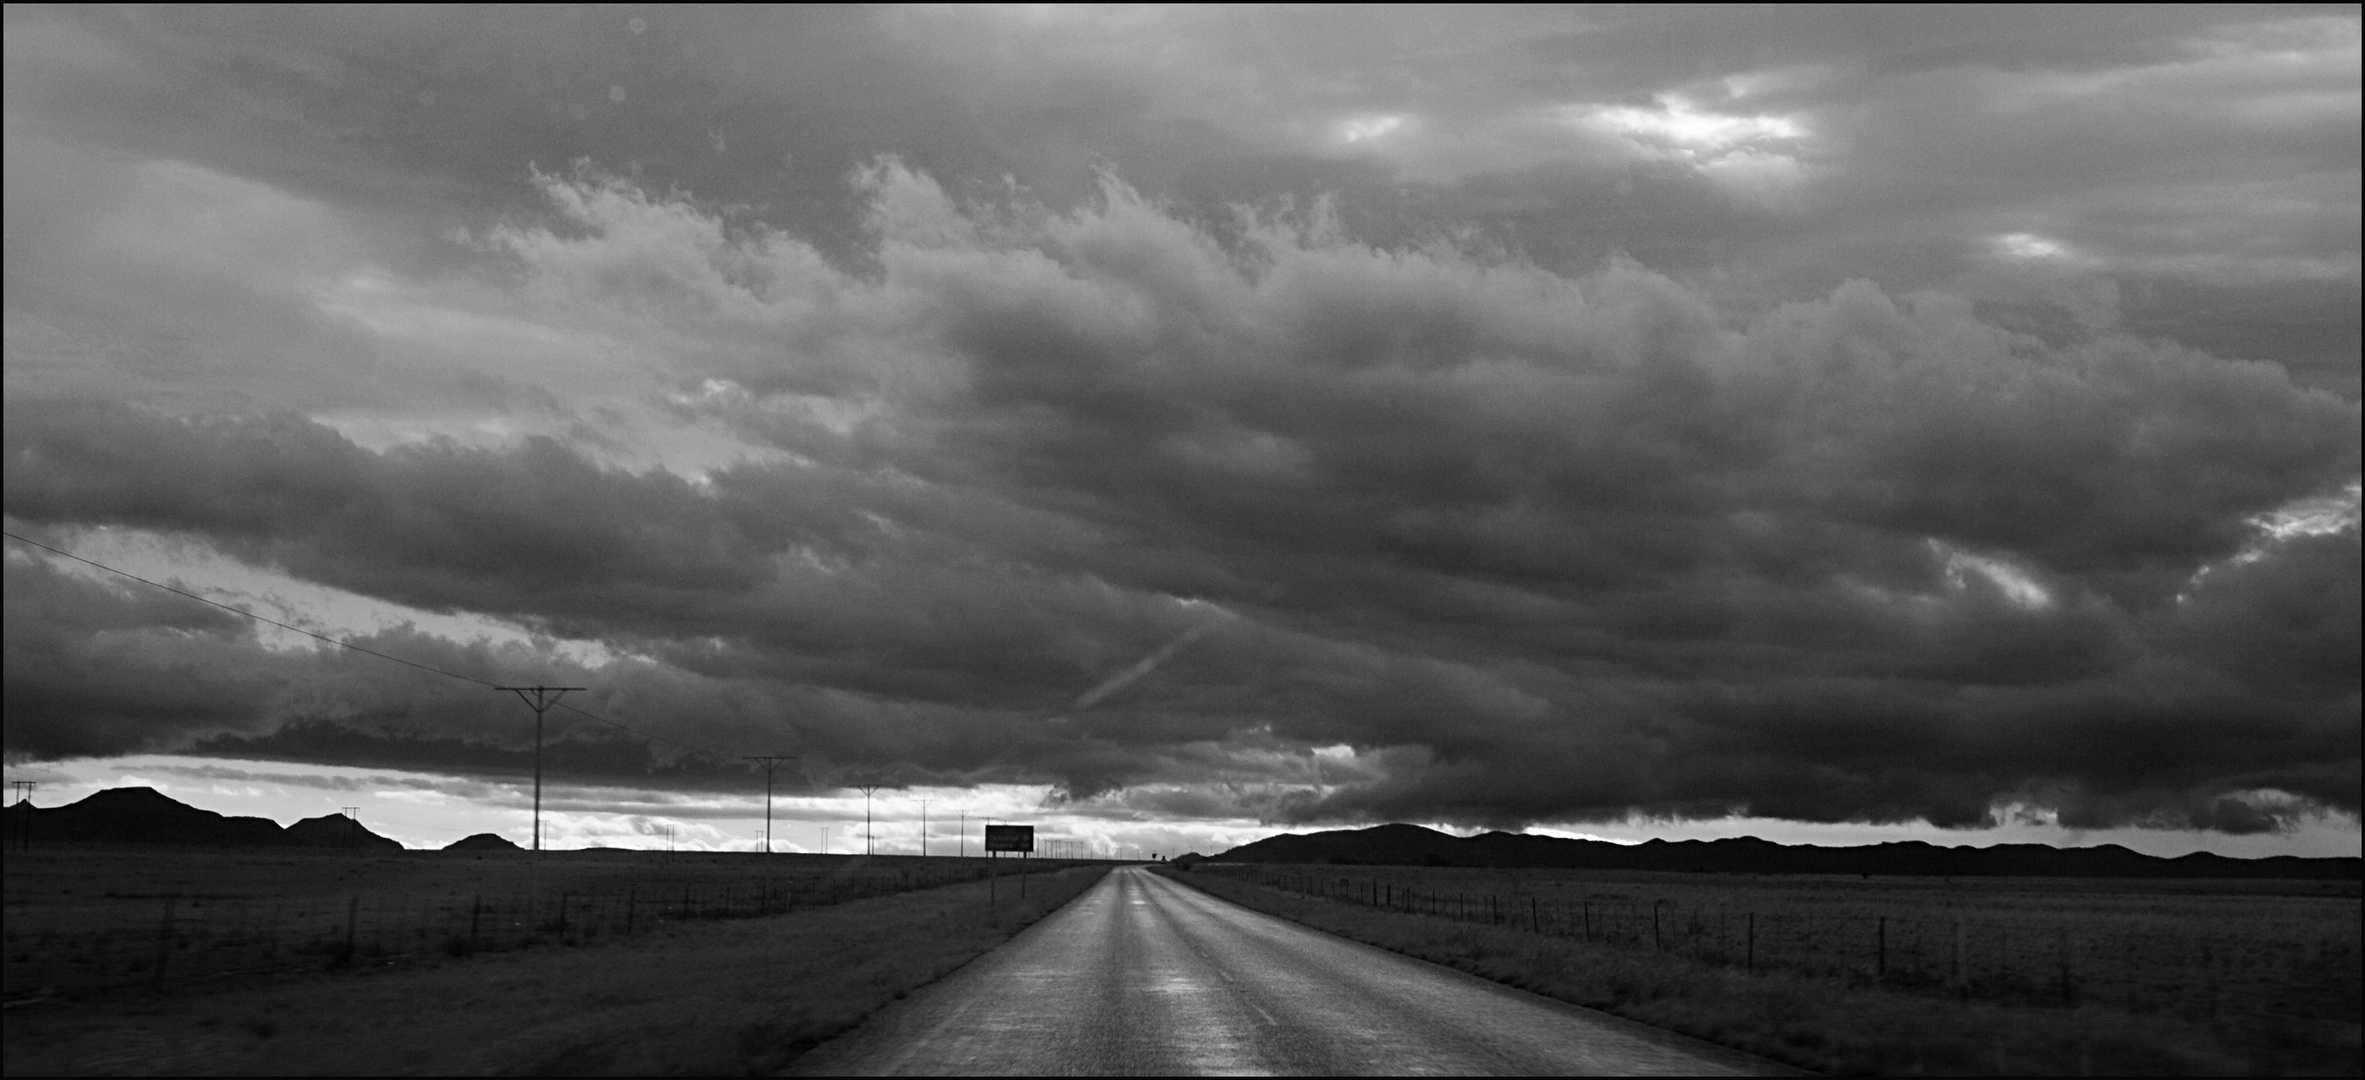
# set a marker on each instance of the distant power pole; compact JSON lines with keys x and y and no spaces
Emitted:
{"x":825,"y":839}
{"x":964,"y":834}
{"x":24,"y":798}
{"x":866,"y":833}
{"x":540,"y":699}
{"x":769,"y":762}
{"x":924,"y":827}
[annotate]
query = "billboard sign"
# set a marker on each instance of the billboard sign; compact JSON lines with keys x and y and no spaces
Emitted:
{"x":1010,"y":838}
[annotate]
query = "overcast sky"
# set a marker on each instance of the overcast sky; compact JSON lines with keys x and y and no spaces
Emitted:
{"x":1187,"y":423}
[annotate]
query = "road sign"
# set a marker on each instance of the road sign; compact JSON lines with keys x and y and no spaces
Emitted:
{"x":1010,"y":838}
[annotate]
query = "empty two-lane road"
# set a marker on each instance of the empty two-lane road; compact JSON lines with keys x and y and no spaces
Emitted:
{"x":1141,"y":975}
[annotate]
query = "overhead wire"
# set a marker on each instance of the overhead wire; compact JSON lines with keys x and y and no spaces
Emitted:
{"x":248,"y":614}
{"x":586,"y":713}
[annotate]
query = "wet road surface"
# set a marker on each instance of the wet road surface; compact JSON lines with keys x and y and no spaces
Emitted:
{"x":1143,"y":976}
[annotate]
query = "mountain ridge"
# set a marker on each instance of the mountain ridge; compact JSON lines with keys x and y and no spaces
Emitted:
{"x":1399,"y":844}
{"x":144,"y":815}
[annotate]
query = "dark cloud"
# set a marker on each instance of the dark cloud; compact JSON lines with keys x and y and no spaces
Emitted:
{"x":1828,"y":414}
{"x":1529,"y":546}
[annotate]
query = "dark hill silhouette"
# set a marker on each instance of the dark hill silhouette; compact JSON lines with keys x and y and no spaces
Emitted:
{"x":147,"y":816}
{"x":338,"y":831}
{"x":483,"y":842}
{"x":1412,"y":845}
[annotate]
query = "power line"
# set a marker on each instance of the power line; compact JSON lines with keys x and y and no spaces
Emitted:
{"x":248,"y":614}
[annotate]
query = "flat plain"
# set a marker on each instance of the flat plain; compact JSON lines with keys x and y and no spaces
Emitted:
{"x":97,"y":918}
{"x":2193,"y":947}
{"x":727,"y":989}
{"x":165,"y":959}
{"x":1885,"y":974}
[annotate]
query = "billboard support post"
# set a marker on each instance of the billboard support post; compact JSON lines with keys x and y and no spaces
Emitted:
{"x":1001,"y":838}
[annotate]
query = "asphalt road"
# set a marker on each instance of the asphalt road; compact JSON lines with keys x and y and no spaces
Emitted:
{"x":1143,"y":976}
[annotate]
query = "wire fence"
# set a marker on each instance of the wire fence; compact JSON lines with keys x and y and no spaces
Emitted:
{"x":2203,"y":976}
{"x":160,"y":942}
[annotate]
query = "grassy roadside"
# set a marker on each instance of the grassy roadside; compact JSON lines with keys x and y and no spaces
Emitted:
{"x":1818,"y":1024}
{"x":728,"y":998}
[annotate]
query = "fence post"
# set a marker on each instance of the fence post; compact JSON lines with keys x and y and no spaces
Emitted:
{"x":2068,"y":991}
{"x":1961,"y":985}
{"x":164,"y":940}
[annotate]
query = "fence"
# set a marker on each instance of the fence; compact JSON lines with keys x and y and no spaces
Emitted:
{"x":161,"y":941}
{"x":2193,"y":975}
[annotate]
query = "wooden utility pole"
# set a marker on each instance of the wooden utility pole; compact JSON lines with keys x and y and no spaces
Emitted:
{"x":768,"y":762}
{"x":541,"y":699}
{"x":24,"y":799}
{"x":866,"y":834}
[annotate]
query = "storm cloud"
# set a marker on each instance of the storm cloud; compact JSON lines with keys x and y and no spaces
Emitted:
{"x":1324,"y":427}
{"x":1860,"y":557}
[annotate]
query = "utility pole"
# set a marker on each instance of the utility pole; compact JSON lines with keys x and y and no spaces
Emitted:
{"x":769,"y":762}
{"x":540,"y":699}
{"x":24,"y":798}
{"x":964,"y":834}
{"x":924,"y":827}
{"x":825,"y":839}
{"x":866,"y":833}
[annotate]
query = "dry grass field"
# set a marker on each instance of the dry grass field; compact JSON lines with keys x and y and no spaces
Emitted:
{"x":1862,"y":975}
{"x":87,"y":919}
{"x":2195,"y":948}
{"x":698,"y":996}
